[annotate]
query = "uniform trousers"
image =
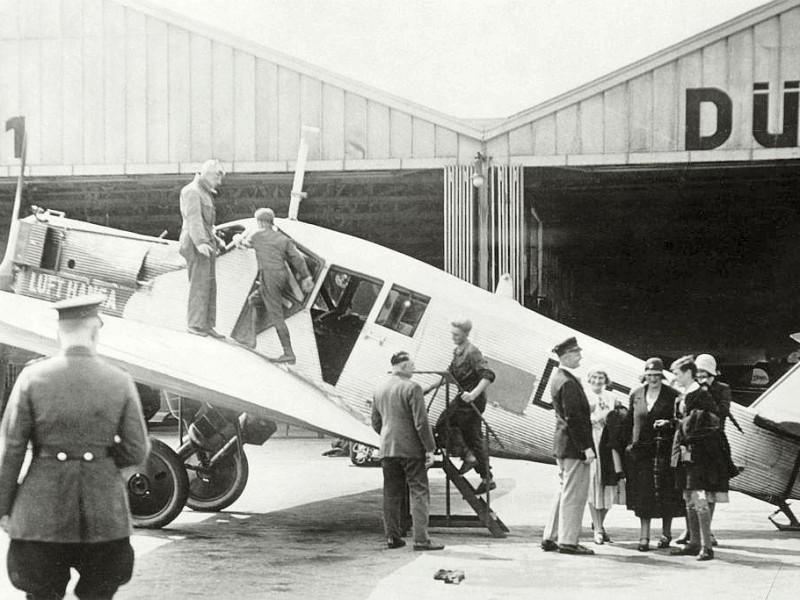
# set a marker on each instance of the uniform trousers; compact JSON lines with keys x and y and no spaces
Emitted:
{"x":399,"y":472}
{"x":41,"y":569}
{"x":202,"y":307}
{"x":566,"y":515}
{"x":462,"y":429}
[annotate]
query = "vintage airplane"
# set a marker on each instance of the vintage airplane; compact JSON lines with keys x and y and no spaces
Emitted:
{"x":367,"y":303}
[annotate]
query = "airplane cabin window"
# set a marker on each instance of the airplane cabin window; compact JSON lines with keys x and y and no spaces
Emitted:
{"x":339,"y":312}
{"x":402,"y":311}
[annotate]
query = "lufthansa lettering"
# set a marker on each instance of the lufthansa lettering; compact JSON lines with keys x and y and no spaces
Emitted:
{"x":53,"y":287}
{"x":786,"y":138}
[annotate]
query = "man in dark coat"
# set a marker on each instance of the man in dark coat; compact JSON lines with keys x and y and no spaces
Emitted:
{"x":274,"y":250}
{"x":574,"y":451}
{"x":400,"y":417}
{"x":199,"y":246}
{"x":84,"y":422}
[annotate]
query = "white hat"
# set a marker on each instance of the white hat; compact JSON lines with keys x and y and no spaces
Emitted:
{"x":706,"y":362}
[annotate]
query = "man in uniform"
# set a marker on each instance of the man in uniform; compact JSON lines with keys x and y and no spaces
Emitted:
{"x":574,"y":451}
{"x":273,"y":250}
{"x":400,"y":417}
{"x":84,"y":422}
{"x":199,"y":246}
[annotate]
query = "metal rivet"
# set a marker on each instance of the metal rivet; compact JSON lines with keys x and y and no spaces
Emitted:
{"x":88,"y":456}
{"x":62,"y":456}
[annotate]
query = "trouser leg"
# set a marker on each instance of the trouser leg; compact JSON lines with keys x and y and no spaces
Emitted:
{"x":574,"y":493}
{"x":693,"y":525}
{"x":419,"y":496}
{"x":103,"y":567}
{"x":40,"y":569}
{"x":211,"y":314}
{"x":473,"y":437}
{"x":394,"y":491}
{"x":551,"y":526}
{"x":200,"y":269}
{"x":283,"y":335}
{"x":704,"y":522}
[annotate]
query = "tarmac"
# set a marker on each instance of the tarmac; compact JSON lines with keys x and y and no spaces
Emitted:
{"x":309,"y":526}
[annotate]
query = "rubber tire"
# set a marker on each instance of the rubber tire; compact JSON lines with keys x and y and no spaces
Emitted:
{"x":362,"y":455}
{"x":162,"y":466}
{"x":201,"y":498}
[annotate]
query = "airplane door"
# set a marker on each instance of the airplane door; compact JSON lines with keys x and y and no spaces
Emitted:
{"x":391,"y":327}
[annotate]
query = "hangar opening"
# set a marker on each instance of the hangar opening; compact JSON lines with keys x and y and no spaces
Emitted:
{"x":665,"y":260}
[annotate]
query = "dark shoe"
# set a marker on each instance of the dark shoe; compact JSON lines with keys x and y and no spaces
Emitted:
{"x":644,"y":545}
{"x":687,"y":550}
{"x":706,"y":554}
{"x":549,"y":546}
{"x":664,"y":541}
{"x":469,"y":463}
{"x":606,"y":539}
{"x":574,"y":549}
{"x":217,"y":336}
{"x":287,"y":358}
{"x":682,"y":538}
{"x":394,"y":542}
{"x":483,"y":487}
{"x":714,"y":541}
{"x":427,"y":546}
{"x":195,"y":331}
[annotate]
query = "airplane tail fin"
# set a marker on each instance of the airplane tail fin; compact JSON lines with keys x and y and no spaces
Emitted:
{"x":505,"y":287}
{"x":20,"y":144}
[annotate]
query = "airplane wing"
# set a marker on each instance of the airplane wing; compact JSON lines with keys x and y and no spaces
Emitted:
{"x":201,"y":368}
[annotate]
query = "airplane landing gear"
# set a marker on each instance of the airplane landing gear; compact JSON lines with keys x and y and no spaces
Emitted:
{"x":214,"y":486}
{"x":792,"y":525}
{"x":158,"y":491}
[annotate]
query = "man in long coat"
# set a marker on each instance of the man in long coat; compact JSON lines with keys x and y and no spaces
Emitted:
{"x":83,"y":420}
{"x":574,"y":451}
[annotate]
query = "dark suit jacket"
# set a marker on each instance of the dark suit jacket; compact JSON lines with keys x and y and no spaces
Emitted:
{"x":573,"y":424}
{"x":640,"y":422}
{"x":721,"y":392}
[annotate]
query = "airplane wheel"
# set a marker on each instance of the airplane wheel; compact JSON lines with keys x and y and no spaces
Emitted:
{"x":361,"y":455}
{"x":216,"y":488}
{"x":157,"y":492}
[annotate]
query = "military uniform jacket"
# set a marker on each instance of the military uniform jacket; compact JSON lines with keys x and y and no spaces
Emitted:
{"x":573,"y":423}
{"x":399,"y":415}
{"x":199,"y":215}
{"x":71,"y":403}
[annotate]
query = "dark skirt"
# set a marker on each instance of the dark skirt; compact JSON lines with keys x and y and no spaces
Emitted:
{"x":651,"y":488}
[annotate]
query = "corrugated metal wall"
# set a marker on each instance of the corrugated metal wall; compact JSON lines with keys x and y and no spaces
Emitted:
{"x":108,"y":89}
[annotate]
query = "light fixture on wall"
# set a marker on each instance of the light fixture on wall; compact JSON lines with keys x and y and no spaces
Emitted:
{"x":477,"y":176}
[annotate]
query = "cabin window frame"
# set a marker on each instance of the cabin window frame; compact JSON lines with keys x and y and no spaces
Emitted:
{"x":390,"y":316}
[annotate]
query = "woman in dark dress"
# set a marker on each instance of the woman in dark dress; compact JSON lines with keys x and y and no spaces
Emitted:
{"x":647,"y":439}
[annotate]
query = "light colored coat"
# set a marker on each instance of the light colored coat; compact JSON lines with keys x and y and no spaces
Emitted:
{"x":73,"y":403}
{"x":399,"y":415}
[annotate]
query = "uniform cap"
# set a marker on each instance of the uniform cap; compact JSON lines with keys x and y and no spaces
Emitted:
{"x":80,"y":307}
{"x":568,"y":345}
{"x":399,"y":357}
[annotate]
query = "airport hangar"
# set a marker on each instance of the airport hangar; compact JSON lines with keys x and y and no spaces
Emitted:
{"x":657,"y":208}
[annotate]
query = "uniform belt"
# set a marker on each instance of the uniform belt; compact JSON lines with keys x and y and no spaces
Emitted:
{"x":87,"y":454}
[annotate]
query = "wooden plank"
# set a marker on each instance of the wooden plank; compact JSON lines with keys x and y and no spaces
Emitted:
{"x":615,"y":116}
{"x":665,"y":108}
{"x":311,"y":112}
{"x":244,"y":107}
{"x":157,"y":91}
{"x":378,"y":130}
{"x":30,"y":97}
{"x":544,"y":136}
{"x":9,"y":92}
{"x":9,"y":24}
{"x":51,"y":19}
{"x":640,"y":134}
{"x":30,"y":19}
{"x":591,"y":125}
{"x":266,"y":110}
{"x":93,"y":18}
{"x":113,"y":19}
{"x":355,"y":124}
{"x":115,"y":82}
{"x":180,"y":95}
{"x":135,"y":89}
{"x":288,"y":113}
{"x":468,"y":147}
{"x":447,"y":143}
{"x":568,"y":139}
{"x":497,"y":148}
{"x":71,"y":19}
{"x":690,"y":75}
{"x":201,"y":82}
{"x":424,"y":143}
{"x":52,"y":102}
{"x":715,"y":64}
{"x":222,"y":101}
{"x":740,"y":88}
{"x":332,"y":134}
{"x":766,"y":67}
{"x":401,"y":136}
{"x":790,"y":46}
{"x":72,"y":91}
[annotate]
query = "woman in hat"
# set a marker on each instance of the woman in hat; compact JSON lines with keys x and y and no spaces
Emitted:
{"x":651,"y":492}
{"x":607,"y":417}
